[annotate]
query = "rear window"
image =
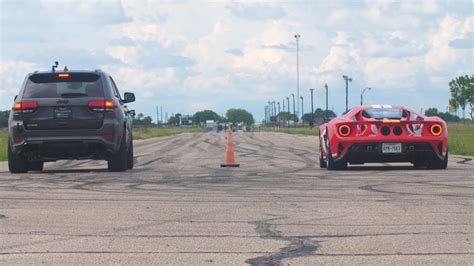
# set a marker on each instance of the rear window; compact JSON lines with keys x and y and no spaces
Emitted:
{"x":384,"y":113}
{"x":63,"y":85}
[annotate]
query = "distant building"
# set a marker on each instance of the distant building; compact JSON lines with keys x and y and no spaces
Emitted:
{"x":186,"y":121}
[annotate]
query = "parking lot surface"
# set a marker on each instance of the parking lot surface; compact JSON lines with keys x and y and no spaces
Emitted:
{"x":179,"y":207}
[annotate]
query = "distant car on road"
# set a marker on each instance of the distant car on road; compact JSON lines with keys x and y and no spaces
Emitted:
{"x":69,"y":115}
{"x":383,"y":133}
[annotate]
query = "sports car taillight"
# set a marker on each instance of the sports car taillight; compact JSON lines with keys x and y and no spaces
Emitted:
{"x":344,"y":130}
{"x":25,"y":107}
{"x":436,"y":129}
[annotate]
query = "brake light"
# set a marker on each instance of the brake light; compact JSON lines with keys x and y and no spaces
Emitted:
{"x":19,"y":138}
{"x":99,"y":106}
{"x":63,"y":75}
{"x":344,"y":130}
{"x":436,"y":130}
{"x":25,"y":107}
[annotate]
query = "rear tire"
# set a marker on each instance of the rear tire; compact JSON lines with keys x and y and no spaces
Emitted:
{"x":332,"y":165}
{"x":130,"y":160}
{"x":36,"y":166}
{"x":439,"y":164}
{"x":17,"y":164}
{"x":118,"y":162}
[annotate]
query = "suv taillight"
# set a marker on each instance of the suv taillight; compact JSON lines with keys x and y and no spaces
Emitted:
{"x":25,"y":107}
{"x":100,"y":106}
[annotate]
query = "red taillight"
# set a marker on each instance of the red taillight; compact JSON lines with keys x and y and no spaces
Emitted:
{"x":25,"y":107}
{"x":108,"y":137}
{"x":19,"y":138}
{"x":344,"y":130}
{"x":436,"y":130}
{"x":98,"y":106}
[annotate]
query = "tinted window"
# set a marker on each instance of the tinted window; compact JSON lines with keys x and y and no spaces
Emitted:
{"x":52,"y":86}
{"x":383,"y":113}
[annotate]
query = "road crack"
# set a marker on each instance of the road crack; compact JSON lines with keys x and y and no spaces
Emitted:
{"x":298,"y":246}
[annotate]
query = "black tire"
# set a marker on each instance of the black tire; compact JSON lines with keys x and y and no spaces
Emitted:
{"x":439,"y":164}
{"x":118,"y":162}
{"x":332,"y":165}
{"x":35,"y":166}
{"x":17,"y":164}
{"x":130,"y":160}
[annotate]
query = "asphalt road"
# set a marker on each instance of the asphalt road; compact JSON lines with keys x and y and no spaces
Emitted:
{"x":179,"y":207}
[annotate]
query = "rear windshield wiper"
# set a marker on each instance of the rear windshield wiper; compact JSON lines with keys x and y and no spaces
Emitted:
{"x":73,"y":94}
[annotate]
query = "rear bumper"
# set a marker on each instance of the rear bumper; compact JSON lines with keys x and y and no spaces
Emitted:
{"x":51,"y":145}
{"x":371,"y":152}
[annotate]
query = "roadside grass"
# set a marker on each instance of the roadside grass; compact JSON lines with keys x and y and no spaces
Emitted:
{"x":460,"y":138}
{"x":299,"y":131}
{"x":3,"y":144}
{"x":153,"y":132}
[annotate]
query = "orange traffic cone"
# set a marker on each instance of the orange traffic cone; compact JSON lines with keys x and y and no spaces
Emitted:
{"x":229,"y":154}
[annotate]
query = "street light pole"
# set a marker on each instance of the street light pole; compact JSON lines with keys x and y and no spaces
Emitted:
{"x":362,"y":95}
{"x":297,"y":37}
{"x":288,"y":99}
{"x":312,"y":110}
{"x":302,"y":111}
{"x":277,"y":116}
{"x":294,"y":120}
{"x":326,"y":113}
{"x":347,"y":79}
{"x":265,"y":120}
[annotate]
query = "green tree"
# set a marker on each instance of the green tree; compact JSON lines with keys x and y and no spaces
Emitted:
{"x":445,"y":116}
{"x":4,"y":118}
{"x":462,"y":93}
{"x":142,"y":120}
{"x":285,"y":116}
{"x":174,"y":120}
{"x":236,"y":116}
{"x":201,"y":116}
{"x":431,"y":111}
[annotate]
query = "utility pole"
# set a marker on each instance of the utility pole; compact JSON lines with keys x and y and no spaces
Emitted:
{"x":302,"y":111}
{"x":278,"y":114}
{"x":312,"y":109}
{"x":265,"y":119}
{"x":297,"y":37}
{"x":347,"y":79}
{"x":326,"y":113}
{"x":288,"y":99}
{"x":161,"y":112}
{"x":157,"y":117}
{"x":294,"y":118}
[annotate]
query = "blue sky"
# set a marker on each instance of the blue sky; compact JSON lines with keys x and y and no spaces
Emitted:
{"x":192,"y":55}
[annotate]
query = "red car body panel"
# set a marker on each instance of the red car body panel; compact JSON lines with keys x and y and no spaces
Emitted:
{"x":415,"y":128}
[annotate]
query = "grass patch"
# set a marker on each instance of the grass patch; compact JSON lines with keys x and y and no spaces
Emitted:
{"x":460,"y":138}
{"x":300,"y":131}
{"x":146,"y":133}
{"x":3,"y":144}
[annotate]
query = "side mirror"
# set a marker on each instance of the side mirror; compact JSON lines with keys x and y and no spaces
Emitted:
{"x":132,"y":113}
{"x":16,"y":96}
{"x":128,"y":97}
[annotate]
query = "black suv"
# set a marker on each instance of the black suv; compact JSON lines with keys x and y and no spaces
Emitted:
{"x":70,"y":115}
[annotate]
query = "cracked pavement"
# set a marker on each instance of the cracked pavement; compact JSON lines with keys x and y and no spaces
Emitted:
{"x":179,"y":207}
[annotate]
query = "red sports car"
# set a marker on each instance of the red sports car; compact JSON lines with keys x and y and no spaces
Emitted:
{"x":383,"y":133}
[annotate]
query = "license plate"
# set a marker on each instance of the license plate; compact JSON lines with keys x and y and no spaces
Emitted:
{"x":62,"y":113}
{"x":391,"y":147}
